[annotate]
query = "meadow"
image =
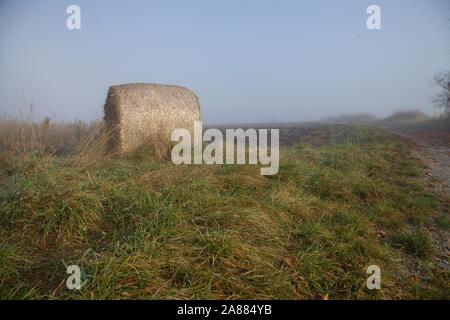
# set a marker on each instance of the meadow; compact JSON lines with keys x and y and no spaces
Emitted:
{"x":140,"y":227}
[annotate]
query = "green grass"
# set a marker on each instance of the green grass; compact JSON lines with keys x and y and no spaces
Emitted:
{"x":417,"y":244}
{"x":146,"y":229}
{"x":443,"y":221}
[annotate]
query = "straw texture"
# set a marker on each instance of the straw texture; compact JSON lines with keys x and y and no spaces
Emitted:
{"x":146,"y":114}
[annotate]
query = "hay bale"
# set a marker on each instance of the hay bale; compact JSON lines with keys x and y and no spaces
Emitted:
{"x":146,"y":114}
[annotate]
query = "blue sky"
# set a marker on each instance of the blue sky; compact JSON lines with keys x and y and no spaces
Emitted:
{"x":248,"y":61}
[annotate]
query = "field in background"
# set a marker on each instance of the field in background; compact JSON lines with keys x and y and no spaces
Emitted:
{"x":400,"y":119}
{"x":345,"y":197}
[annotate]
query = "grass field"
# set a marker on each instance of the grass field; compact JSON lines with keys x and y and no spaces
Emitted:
{"x":145,"y":229}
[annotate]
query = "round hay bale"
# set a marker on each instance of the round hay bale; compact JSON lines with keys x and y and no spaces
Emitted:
{"x":140,"y":114}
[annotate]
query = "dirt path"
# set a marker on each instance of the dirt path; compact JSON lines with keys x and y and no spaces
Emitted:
{"x":433,"y":149}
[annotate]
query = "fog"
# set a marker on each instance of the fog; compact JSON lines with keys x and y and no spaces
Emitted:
{"x":252,"y":61}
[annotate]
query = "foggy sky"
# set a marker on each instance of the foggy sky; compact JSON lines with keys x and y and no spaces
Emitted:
{"x":248,"y":61}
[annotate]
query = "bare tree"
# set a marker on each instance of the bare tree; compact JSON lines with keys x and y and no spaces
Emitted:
{"x":442,"y":98}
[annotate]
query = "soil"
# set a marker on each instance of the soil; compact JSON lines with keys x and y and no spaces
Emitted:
{"x":432,"y":148}
{"x":312,"y":133}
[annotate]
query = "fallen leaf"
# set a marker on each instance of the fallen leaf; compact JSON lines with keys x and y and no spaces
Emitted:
{"x":381,"y":233}
{"x":347,"y":267}
{"x":290,"y":261}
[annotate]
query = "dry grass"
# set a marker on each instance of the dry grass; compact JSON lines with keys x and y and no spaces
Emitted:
{"x":25,"y":135}
{"x":144,"y":229}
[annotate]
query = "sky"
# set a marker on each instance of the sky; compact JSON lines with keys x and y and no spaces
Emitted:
{"x":248,"y":61}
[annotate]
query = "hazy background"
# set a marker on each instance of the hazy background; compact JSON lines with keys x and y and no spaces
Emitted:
{"x":248,"y":61}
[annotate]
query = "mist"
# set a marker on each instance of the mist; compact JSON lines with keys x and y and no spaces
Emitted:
{"x":248,"y":62}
